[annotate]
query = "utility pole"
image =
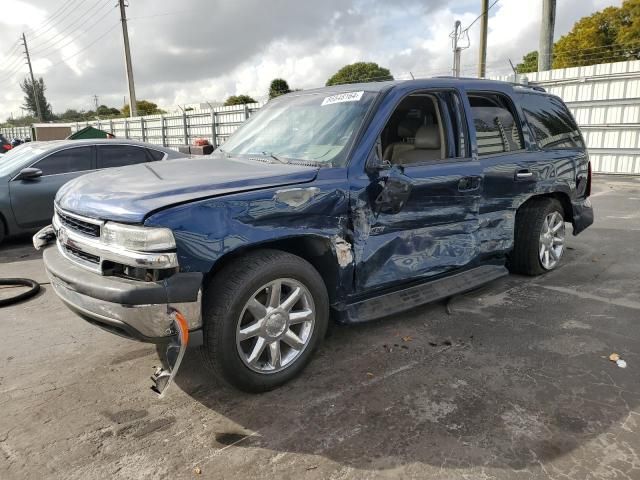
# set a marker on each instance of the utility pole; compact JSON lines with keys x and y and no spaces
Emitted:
{"x":482,"y":60}
{"x":545,"y":49}
{"x":456,"y":49}
{"x":33,"y":80}
{"x":133,"y":105}
{"x":95,"y":101}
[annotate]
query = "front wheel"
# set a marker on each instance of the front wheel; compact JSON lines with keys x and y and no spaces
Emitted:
{"x":264,"y":315}
{"x":539,"y":237}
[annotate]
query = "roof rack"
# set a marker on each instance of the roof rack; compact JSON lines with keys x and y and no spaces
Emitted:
{"x":530,"y":87}
{"x":515,"y":85}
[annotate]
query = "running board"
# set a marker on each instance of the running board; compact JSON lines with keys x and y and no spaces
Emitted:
{"x":392,"y":303}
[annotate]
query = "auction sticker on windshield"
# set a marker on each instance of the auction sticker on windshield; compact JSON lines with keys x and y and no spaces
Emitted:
{"x":342,"y":97}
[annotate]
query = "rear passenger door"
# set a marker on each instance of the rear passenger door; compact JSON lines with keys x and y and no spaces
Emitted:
{"x":110,"y":156}
{"x":509,"y":168}
{"x":32,"y":200}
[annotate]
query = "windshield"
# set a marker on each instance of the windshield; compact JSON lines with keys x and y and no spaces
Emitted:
{"x":18,"y":157}
{"x":314,"y":128}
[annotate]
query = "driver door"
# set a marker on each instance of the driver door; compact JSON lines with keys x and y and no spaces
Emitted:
{"x":424,"y":211}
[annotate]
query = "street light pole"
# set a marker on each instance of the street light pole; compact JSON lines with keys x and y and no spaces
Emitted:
{"x":456,"y":49}
{"x":133,"y":105}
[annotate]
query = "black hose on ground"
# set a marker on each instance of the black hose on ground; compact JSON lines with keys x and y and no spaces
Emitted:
{"x":26,"y":282}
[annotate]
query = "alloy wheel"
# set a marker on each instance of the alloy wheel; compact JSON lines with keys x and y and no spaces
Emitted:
{"x":552,"y":237}
{"x":275,"y":326}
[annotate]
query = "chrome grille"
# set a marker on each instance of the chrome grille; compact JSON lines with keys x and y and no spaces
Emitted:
{"x":77,"y":225}
{"x":87,"y":257}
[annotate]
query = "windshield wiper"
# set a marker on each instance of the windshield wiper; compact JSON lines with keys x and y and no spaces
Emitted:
{"x":272,"y":155}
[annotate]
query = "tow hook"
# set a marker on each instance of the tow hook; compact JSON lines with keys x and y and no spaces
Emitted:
{"x":174,"y":352}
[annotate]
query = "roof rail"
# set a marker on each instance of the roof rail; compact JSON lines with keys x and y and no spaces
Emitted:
{"x":529,"y":86}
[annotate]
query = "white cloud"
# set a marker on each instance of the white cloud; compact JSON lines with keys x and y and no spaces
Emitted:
{"x":207,"y":50}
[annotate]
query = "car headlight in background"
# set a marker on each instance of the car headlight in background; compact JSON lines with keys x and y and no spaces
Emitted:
{"x":141,"y":239}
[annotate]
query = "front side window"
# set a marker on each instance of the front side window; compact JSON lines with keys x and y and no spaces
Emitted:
{"x":121,"y":155}
{"x":415,"y":132}
{"x":551,"y":123}
{"x":497,"y":130}
{"x":316,"y":127}
{"x":67,"y":161}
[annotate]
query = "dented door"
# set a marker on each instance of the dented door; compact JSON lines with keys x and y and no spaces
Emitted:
{"x":434,"y":231}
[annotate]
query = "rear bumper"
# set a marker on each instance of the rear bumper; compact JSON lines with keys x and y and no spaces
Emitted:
{"x":582,"y":215}
{"x":130,"y":308}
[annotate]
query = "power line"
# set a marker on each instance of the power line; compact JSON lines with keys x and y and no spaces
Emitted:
{"x":87,"y":47}
{"x":69,"y":29}
{"x":69,"y":39}
{"x":479,"y":16}
{"x":55,"y":15}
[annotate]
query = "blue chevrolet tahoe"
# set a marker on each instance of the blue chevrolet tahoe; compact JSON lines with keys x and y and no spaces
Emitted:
{"x":348,"y":203}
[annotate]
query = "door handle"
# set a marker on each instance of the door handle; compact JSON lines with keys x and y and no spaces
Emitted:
{"x":523,"y":174}
{"x":466,"y":184}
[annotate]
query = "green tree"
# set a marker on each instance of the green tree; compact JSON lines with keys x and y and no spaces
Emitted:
{"x":610,"y":35}
{"x":71,"y":115}
{"x":529,"y":63}
{"x":278,"y":87}
{"x":238,"y":100}
{"x":105,"y":111}
{"x":360,"y":72}
{"x":30,"y":100}
{"x":145,"y":107}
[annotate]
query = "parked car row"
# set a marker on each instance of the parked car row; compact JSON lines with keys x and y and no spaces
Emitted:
{"x":32,"y":173}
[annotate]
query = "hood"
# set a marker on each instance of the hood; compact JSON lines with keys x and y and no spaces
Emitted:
{"x":129,"y":194}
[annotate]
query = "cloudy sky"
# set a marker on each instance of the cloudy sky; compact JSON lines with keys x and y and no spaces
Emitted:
{"x":205,"y":50}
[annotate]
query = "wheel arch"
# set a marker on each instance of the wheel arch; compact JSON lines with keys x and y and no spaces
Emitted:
{"x":319,"y":251}
{"x":562,"y":197}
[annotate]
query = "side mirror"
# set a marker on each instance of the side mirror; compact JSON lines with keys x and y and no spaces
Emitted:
{"x":29,"y":174}
{"x":396,"y":189}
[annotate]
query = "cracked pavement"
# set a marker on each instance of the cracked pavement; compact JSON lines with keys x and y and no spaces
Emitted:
{"x":513,"y":384}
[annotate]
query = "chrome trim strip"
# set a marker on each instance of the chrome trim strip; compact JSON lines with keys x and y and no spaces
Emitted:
{"x":92,"y":221}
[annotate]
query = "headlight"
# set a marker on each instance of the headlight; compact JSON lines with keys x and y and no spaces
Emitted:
{"x":142,"y":239}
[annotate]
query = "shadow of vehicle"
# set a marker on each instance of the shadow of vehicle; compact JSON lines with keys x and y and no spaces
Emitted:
{"x":513,"y":377}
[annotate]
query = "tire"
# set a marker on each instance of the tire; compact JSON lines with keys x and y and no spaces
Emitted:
{"x":527,"y":257}
{"x":227,"y":313}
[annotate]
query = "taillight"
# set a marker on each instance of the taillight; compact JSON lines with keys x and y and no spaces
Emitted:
{"x":7,"y":146}
{"x":587,"y":190}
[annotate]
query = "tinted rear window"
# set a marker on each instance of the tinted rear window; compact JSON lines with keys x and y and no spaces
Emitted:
{"x":552,"y":125}
{"x":121,"y":155}
{"x":156,"y":154}
{"x":497,"y":130}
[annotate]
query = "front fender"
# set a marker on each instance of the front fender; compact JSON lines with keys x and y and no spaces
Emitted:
{"x":207,"y":230}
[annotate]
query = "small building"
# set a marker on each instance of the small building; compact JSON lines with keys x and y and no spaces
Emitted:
{"x":90,"y":132}
{"x":50,"y":131}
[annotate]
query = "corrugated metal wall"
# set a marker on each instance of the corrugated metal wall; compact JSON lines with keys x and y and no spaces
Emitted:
{"x":605,"y":100}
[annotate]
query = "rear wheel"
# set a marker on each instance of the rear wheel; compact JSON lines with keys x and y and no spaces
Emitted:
{"x":539,"y":237}
{"x":263,"y":316}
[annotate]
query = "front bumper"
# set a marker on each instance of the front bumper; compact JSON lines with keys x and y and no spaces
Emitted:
{"x":130,"y":308}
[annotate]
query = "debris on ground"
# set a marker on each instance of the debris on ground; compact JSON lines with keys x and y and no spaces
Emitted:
{"x":614,"y":357}
{"x":197,"y":470}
